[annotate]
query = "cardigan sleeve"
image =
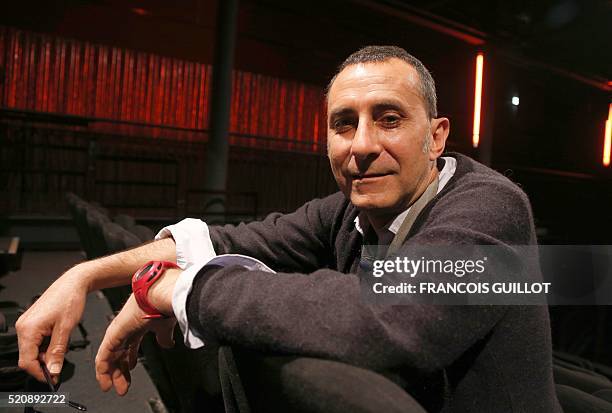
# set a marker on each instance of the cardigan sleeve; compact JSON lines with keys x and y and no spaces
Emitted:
{"x":296,"y":242}
{"x":323,"y":315}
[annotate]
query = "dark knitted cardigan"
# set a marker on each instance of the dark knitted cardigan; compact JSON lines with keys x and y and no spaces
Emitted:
{"x":493,"y":358}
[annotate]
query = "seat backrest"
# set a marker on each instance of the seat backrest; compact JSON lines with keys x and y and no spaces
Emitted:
{"x":95,"y":220}
{"x":99,"y":208}
{"x":79,"y":215}
{"x":126,"y":221}
{"x":71,"y":198}
{"x":143,"y":233}
{"x":117,"y":238}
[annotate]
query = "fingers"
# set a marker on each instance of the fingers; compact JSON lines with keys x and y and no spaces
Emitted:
{"x":56,"y":351}
{"x":164,"y":332}
{"x":114,"y":360}
{"x":114,"y":373}
{"x":52,"y":315}
{"x":103,"y":371}
{"x":107,"y":360}
{"x":133,"y":352}
{"x":29,"y":342}
{"x":118,"y":352}
{"x":122,"y":378}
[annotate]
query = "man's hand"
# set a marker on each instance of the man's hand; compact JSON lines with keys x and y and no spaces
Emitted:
{"x":118,"y":352}
{"x":53,"y":315}
{"x":61,"y":307}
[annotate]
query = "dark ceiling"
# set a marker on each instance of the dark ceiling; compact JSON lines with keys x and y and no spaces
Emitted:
{"x":571,"y":34}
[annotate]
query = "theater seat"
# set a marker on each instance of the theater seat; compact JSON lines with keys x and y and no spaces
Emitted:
{"x":143,"y":233}
{"x":100,"y":209}
{"x":582,"y":386}
{"x":262,"y":383}
{"x":79,"y":212}
{"x":116,"y":238}
{"x":95,"y":220}
{"x":126,"y":221}
{"x":577,"y":401}
{"x":588,"y":382}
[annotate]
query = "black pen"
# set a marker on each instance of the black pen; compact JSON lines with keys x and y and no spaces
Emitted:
{"x":54,"y":388}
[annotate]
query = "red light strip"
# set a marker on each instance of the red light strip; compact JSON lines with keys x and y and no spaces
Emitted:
{"x":477,"y":99}
{"x":607,"y":138}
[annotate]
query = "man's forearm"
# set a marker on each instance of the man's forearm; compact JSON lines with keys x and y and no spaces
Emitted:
{"x":117,"y":269}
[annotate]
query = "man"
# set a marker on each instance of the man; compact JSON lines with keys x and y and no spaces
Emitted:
{"x":385,"y":143}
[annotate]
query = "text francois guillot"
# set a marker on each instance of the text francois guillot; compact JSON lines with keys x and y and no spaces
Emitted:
{"x":458,"y":268}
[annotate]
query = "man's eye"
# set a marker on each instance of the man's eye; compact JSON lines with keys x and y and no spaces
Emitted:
{"x":341,"y":125}
{"x":389,"y":121}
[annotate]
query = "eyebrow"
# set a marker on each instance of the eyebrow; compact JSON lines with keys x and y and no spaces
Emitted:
{"x":378,"y":107}
{"x":388,"y":105}
{"x":336,"y":113}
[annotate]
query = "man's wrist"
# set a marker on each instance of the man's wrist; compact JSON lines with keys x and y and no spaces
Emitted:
{"x":160,"y":293}
{"x":82,"y":275}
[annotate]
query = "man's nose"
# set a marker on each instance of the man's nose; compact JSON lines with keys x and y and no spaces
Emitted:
{"x":365,"y":144}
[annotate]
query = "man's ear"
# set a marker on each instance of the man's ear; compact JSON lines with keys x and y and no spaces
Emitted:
{"x":440,"y":128}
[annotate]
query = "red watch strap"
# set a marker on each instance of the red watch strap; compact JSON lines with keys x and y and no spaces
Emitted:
{"x":143,"y":279}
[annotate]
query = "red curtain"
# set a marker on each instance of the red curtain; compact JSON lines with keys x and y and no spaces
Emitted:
{"x":53,"y":75}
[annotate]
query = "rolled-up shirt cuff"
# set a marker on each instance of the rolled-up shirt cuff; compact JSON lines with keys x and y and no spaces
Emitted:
{"x":194,"y":248}
{"x":193,"y":244}
{"x":182,"y":288}
{"x":184,"y":285}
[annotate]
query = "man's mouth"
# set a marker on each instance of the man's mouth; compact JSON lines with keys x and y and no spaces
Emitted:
{"x":366,"y":176}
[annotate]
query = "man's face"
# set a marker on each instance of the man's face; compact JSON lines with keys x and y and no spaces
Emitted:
{"x":377,"y":126}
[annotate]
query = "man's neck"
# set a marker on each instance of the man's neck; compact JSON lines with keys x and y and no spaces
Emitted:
{"x":380,"y":221}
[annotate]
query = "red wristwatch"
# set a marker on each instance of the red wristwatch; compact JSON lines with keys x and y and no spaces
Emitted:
{"x":143,"y":279}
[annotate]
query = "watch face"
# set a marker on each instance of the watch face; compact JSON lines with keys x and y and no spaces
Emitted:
{"x":143,"y":271}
